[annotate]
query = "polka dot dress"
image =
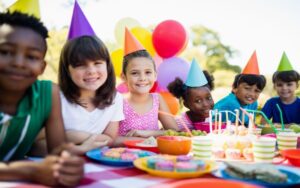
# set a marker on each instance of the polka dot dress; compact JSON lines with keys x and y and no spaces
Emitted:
{"x":135,"y":121}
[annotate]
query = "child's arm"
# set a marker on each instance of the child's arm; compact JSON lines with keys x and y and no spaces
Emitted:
{"x":110,"y":133}
{"x":64,"y":170}
{"x":54,"y":129}
{"x":167,"y":121}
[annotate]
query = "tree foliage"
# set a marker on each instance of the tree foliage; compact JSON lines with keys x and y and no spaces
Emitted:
{"x":215,"y":52}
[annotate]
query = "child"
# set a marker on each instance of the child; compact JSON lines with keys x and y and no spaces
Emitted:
{"x":285,"y":81}
{"x":246,"y":89}
{"x":90,"y":103}
{"x":196,"y":96}
{"x":141,"y":108}
{"x":27,"y":105}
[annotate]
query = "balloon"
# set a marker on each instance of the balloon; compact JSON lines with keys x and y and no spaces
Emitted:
{"x":145,"y":38}
{"x":169,"y":37}
{"x":171,"y":68}
{"x":117,"y":60}
{"x":122,"y":88}
{"x":120,"y":28}
{"x":171,"y":101}
{"x":158,"y":60}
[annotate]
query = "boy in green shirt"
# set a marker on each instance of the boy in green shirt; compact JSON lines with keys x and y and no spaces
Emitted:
{"x":27,"y":105}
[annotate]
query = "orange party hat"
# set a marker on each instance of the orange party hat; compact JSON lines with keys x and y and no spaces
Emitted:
{"x":131,"y":43}
{"x":252,"y":65}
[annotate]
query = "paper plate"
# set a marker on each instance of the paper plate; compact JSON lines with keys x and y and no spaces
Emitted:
{"x":134,"y":144}
{"x":141,"y":164}
{"x":96,"y":155}
{"x":207,"y":182}
{"x":293,"y":175}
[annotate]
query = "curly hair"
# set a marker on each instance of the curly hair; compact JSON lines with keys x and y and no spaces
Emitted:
{"x":24,"y":20}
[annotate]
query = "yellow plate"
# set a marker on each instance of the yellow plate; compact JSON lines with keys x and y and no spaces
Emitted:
{"x":141,"y":164}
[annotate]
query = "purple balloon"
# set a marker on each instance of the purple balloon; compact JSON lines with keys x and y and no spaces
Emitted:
{"x":171,"y":68}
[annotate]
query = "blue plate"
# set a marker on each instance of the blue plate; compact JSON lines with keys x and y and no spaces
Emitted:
{"x":97,"y":156}
{"x":293,"y":175}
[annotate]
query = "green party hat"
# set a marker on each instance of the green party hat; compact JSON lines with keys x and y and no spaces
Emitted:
{"x":284,"y":64}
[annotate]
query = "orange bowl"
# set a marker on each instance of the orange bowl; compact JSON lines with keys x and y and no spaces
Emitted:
{"x":174,"y":145}
{"x":292,"y":155}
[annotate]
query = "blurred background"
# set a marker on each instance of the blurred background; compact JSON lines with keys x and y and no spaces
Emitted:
{"x":221,"y":35}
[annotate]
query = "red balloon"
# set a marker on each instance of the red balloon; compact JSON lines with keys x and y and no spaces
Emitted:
{"x":169,"y":37}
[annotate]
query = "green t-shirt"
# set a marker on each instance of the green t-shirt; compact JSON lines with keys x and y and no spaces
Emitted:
{"x":32,"y":112}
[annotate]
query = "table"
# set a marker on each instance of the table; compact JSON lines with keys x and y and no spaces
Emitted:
{"x":102,"y":176}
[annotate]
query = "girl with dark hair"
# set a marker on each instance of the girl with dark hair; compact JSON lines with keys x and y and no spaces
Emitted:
{"x":91,"y":107}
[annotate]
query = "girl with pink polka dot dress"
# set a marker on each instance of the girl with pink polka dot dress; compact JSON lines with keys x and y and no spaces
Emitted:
{"x":141,"y":108}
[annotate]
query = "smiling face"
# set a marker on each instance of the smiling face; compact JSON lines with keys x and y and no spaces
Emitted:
{"x":246,"y":94}
{"x":140,"y":75}
{"x":89,"y":75}
{"x":200,"y":102}
{"x":22,"y":54}
{"x":286,"y":90}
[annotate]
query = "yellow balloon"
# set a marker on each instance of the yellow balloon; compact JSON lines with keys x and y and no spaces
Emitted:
{"x":145,"y":38}
{"x":117,"y":59}
{"x":120,"y":28}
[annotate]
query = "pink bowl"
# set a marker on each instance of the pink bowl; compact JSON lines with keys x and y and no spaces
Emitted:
{"x":204,"y":126}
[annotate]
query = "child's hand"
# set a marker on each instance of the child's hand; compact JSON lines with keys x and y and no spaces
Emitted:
{"x":69,"y":170}
{"x":139,"y":133}
{"x":43,"y":172}
{"x":89,"y":144}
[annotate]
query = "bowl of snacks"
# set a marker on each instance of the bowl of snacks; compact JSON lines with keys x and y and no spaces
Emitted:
{"x":292,"y":155}
{"x":174,"y":145}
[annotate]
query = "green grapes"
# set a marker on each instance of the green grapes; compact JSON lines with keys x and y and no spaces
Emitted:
{"x":183,"y":133}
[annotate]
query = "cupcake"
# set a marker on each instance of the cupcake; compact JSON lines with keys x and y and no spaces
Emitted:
{"x":127,"y":156}
{"x":186,"y":167}
{"x":112,"y":154}
{"x":183,"y":158}
{"x":200,"y":164}
{"x":164,"y":165}
{"x":218,"y":153}
{"x":248,"y":154}
{"x":151,"y":162}
{"x":234,"y":154}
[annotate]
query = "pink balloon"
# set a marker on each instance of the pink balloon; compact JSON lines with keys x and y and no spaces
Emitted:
{"x":169,"y":38}
{"x":171,"y":68}
{"x":122,"y":88}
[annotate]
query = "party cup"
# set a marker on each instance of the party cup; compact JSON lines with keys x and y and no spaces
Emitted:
{"x":287,"y":140}
{"x":264,"y":149}
{"x":202,"y":147}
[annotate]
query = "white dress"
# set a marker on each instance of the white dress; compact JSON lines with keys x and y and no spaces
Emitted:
{"x":77,"y":118}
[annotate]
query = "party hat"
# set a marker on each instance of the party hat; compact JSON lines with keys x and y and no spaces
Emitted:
{"x":80,"y":26}
{"x":131,"y":43}
{"x":195,"y":77}
{"x":284,"y":64}
{"x":30,"y":7}
{"x":252,"y":65}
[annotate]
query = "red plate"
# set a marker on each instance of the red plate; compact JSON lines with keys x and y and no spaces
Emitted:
{"x":132,"y":144}
{"x":208,"y":182}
